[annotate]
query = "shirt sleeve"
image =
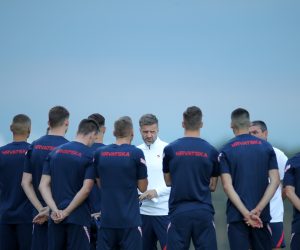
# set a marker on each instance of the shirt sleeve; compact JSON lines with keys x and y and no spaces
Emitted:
{"x":27,"y":161}
{"x":289,"y":175}
{"x":224,"y":165}
{"x":216,"y":165}
{"x":141,"y":165}
{"x":166,"y":159}
{"x":90,"y":169}
{"x":273,"y":160}
{"x":96,"y":162}
{"x":46,"y":166}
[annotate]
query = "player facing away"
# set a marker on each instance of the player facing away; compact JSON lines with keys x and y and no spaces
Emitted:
{"x":154,"y":208}
{"x":247,"y":163}
{"x":291,"y":184}
{"x":15,"y":208}
{"x":94,"y":198}
{"x":190,"y":167}
{"x":120,"y":170}
{"x":68,"y":177}
{"x":58,"y":122}
{"x":259,"y":129}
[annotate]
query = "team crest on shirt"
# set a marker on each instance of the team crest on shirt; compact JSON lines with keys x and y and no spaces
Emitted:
{"x":287,"y":167}
{"x":143,"y":161}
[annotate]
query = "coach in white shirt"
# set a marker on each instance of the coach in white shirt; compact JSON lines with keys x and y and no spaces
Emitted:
{"x":259,"y":129}
{"x":154,"y":202}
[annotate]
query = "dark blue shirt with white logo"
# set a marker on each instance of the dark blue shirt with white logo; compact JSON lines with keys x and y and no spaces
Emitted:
{"x":69,"y":165}
{"x":292,"y":178}
{"x":15,"y":208}
{"x":248,"y":160}
{"x":191,"y":162}
{"x":119,"y":167}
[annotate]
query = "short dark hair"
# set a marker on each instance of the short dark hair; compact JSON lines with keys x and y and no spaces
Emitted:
{"x":192,"y":118}
{"x":260,"y":124}
{"x":148,"y":119}
{"x":87,"y":126}
{"x":123,"y":127}
{"x":98,"y":118}
{"x":240,"y":118}
{"x":57,"y":116}
{"x":20,"y":124}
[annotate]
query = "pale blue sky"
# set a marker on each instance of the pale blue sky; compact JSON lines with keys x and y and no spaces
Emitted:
{"x":134,"y":57}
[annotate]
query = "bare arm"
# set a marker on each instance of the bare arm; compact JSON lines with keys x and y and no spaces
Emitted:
{"x":168,"y":179}
{"x":82,"y":194}
{"x":45,"y":190}
{"x":142,"y":184}
{"x":270,"y":191}
{"x":293,"y":198}
{"x":232,"y":194}
{"x":213,"y":183}
{"x":29,"y":191}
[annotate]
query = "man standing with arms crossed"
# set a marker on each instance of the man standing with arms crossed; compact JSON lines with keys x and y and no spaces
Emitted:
{"x":58,"y":122}
{"x":15,"y":208}
{"x":154,"y":208}
{"x":247,"y":164}
{"x":190,"y":167}
{"x":259,"y":129}
{"x":120,"y":170}
{"x":68,"y":177}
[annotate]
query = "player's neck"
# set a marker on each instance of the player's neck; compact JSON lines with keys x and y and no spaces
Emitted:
{"x":19,"y":138}
{"x":125,"y":140}
{"x":192,"y":133}
{"x":60,"y":131}
{"x":243,"y":131}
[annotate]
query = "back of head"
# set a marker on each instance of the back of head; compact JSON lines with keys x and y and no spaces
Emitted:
{"x":98,"y":118}
{"x":87,"y":126}
{"x":261,"y":124}
{"x":192,"y":118}
{"x":21,"y":125}
{"x":57,"y":116}
{"x":240,"y":119}
{"x":123,"y":127}
{"x":148,"y":119}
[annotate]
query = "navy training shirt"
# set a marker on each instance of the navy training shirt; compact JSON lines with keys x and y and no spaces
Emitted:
{"x":35,"y":157}
{"x":119,"y":167}
{"x":292,"y":178}
{"x":191,"y":162}
{"x":248,"y":160}
{"x":15,"y":208}
{"x":94,"y":198}
{"x":69,"y":165}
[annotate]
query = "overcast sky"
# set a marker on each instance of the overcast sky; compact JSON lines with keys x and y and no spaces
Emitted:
{"x":161,"y":56}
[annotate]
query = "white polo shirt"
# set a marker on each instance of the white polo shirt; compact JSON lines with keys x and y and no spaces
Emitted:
{"x":276,"y":203}
{"x":153,"y":156}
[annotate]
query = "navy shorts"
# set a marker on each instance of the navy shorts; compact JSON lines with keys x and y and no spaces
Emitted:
{"x":195,"y":225}
{"x":40,"y":237}
{"x":154,"y":229}
{"x":15,"y":236}
{"x":277,"y":235}
{"x":120,"y":238}
{"x":65,"y":236}
{"x":243,"y":237}
{"x":295,"y":241}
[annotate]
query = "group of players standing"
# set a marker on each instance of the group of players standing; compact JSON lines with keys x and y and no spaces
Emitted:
{"x":87,"y":195}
